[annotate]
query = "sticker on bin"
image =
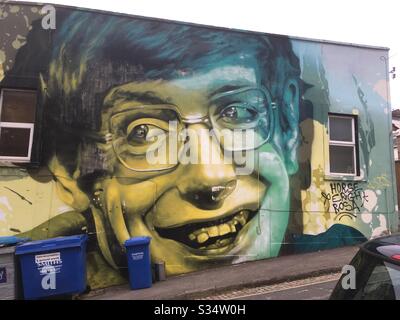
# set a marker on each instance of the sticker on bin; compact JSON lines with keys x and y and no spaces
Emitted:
{"x":49,"y":265}
{"x":48,"y":259}
{"x":137,"y":255}
{"x":3,"y":275}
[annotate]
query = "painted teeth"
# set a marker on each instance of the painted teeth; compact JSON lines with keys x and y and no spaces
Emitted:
{"x":192,"y":236}
{"x":224,"y":229}
{"x":203,"y":234}
{"x":242,"y":217}
{"x":220,"y":243}
{"x":202,"y":237}
{"x":213,"y":231}
{"x":241,"y":220}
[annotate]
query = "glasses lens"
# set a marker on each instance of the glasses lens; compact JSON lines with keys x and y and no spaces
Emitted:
{"x":242,"y":119}
{"x":146,"y":139}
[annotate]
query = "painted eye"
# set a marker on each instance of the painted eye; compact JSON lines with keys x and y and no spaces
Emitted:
{"x":238,"y":114}
{"x":144,"y":134}
{"x":229,"y":112}
{"x":138,"y":133}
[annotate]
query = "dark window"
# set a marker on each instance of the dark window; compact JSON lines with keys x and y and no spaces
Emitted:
{"x":17,"y":124}
{"x":342,"y":145}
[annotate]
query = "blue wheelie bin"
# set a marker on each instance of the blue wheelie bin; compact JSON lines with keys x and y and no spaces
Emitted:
{"x":53,"y":267}
{"x":139,"y":263}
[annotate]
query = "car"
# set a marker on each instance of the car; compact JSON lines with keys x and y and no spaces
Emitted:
{"x":377,"y":272}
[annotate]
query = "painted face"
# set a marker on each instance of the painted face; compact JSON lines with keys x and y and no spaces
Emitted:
{"x":196,"y":212}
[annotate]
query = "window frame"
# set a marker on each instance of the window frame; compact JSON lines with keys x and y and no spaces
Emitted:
{"x":353,"y":143}
{"x":22,"y":125}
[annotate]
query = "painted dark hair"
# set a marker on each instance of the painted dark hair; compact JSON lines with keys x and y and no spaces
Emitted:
{"x":94,"y":52}
{"x":90,"y":53}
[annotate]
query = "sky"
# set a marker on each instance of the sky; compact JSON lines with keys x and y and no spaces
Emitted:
{"x":368,"y":22}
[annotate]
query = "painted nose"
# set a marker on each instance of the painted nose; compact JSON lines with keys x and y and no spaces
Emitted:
{"x":207,"y":183}
{"x":211,"y":195}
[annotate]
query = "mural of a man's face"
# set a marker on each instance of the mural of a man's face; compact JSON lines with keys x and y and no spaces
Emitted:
{"x":195,"y":213}
{"x":197,"y":207}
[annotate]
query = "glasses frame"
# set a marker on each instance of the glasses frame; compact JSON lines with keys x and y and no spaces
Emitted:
{"x":109,"y":137}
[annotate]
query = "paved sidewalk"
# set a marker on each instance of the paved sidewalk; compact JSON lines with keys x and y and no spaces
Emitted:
{"x":249,"y":274}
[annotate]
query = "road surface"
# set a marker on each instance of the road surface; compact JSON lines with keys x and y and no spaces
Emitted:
{"x":314,"y":288}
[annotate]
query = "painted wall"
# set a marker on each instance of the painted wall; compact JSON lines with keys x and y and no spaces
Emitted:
{"x":111,"y":87}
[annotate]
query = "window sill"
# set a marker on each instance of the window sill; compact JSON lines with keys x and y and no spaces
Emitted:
{"x":18,"y":165}
{"x":338,"y":177}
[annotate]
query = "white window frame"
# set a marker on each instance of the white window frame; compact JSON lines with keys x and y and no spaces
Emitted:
{"x":352,"y":143}
{"x":21,"y":125}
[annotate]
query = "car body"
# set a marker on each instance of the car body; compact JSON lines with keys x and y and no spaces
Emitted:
{"x":377,"y":272}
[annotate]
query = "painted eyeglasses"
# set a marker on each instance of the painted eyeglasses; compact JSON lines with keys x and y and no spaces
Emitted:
{"x":239,"y":120}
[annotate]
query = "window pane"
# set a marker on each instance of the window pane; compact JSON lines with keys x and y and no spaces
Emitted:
{"x":18,"y":106}
{"x":14,"y":142}
{"x":341,"y":159}
{"x":340,"y":129}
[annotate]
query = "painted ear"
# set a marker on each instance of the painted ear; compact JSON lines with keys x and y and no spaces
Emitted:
{"x":67,"y":186}
{"x":290,"y":124}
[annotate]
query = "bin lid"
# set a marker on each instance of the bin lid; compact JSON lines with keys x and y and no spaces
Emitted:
{"x":11,"y":241}
{"x":136,"y":241}
{"x":51,"y":244}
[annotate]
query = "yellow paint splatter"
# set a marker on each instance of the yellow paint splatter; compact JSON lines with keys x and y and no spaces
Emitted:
{"x":14,"y":9}
{"x":18,"y":42}
{"x":26,"y":21}
{"x":3,"y":14}
{"x":2,"y":60}
{"x":1,"y":72}
{"x":2,"y":57}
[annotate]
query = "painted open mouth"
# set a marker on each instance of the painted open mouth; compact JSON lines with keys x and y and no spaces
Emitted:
{"x":210,"y":234}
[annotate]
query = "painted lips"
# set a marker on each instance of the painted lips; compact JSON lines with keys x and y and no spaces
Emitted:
{"x":211,"y":234}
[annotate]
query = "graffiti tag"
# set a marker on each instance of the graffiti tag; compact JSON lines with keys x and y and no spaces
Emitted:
{"x":346,"y":199}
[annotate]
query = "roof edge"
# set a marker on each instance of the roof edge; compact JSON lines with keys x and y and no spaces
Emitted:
{"x":128,"y":15}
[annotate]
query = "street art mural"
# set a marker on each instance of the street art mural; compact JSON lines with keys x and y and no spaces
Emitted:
{"x":213,"y":142}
